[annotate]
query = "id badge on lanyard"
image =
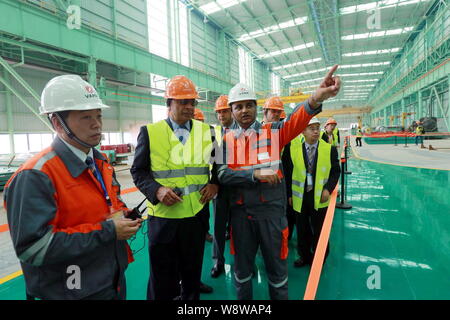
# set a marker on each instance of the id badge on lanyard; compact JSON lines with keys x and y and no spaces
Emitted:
{"x":309,"y":178}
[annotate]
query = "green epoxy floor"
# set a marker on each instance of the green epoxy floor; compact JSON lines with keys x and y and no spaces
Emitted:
{"x":399,"y":225}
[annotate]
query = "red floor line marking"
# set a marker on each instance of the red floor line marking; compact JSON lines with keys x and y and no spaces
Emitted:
{"x":129,"y":190}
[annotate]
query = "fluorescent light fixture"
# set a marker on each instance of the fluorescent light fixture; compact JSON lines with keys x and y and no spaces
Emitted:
{"x":362,"y":80}
{"x":273,"y":28}
{"x":287,"y":50}
{"x":373,"y":52}
{"x":363,"y":90}
{"x":297,"y":63}
{"x":218,"y":5}
{"x":377,"y":4}
{"x":383,"y":33}
{"x":360,"y":74}
{"x":364,"y":65}
{"x":346,"y":81}
{"x":305,"y":73}
{"x":359,"y":86}
{"x":361,"y":65}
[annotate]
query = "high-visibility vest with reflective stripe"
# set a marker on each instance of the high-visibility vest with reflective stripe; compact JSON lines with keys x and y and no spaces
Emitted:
{"x":218,"y":130}
{"x":259,"y":150}
{"x":299,"y":173}
{"x":334,"y":143}
{"x":359,"y":133}
{"x":183,"y":166}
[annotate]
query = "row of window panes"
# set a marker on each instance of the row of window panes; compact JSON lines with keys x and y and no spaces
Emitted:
{"x":35,"y":142}
{"x":25,"y":142}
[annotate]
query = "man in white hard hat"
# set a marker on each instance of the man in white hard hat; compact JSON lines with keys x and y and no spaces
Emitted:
{"x":258,"y":192}
{"x":313,"y":166}
{"x":64,"y":208}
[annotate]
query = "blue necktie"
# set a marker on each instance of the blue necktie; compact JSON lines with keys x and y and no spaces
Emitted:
{"x":182,"y":133}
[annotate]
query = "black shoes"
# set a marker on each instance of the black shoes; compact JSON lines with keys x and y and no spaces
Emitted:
{"x":217,"y":270}
{"x":300,"y":263}
{"x":204,"y":288}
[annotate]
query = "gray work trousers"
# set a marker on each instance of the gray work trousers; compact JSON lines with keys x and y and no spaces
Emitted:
{"x":248,"y":233}
{"x":221,"y":217}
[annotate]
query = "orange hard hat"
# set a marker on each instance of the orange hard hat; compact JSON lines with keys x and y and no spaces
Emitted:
{"x":274,"y":103}
{"x":283,"y":115}
{"x":222,"y":103}
{"x":198,"y":115}
{"x":330,"y":121}
{"x":180,"y":87}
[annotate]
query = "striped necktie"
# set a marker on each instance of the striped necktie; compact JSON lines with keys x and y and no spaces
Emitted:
{"x":310,"y":151}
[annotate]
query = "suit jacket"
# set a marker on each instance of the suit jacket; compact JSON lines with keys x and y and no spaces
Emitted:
{"x":288,"y":167}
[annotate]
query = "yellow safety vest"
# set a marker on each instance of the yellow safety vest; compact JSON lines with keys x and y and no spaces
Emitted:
{"x":419,"y":130}
{"x":359,"y":133}
{"x":334,"y":143}
{"x":218,"y":130}
{"x":183,"y":166}
{"x":299,"y":173}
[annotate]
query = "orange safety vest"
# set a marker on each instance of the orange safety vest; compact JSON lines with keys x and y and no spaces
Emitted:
{"x":77,"y":195}
{"x":258,"y":150}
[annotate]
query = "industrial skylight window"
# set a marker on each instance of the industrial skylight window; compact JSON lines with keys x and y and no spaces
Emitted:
{"x":372,"y":52}
{"x":298,"y":63}
{"x":287,"y":50}
{"x":273,"y":28}
{"x":382,"y":33}
{"x":219,"y":5}
{"x":378,"y":4}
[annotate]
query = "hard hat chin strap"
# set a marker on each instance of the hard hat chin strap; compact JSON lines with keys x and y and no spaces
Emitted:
{"x":70,"y":134}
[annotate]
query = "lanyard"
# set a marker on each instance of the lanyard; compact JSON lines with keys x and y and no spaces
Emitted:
{"x":102,"y":183}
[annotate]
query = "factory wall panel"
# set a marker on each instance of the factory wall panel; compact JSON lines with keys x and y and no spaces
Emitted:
{"x":2,"y":99}
{"x":3,"y":122}
{"x":115,"y":17}
{"x":110,"y":125}
{"x":28,"y":123}
{"x":204,"y":40}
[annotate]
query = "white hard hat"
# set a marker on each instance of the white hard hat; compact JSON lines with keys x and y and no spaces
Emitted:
{"x":69,"y":92}
{"x":313,"y":121}
{"x":241,"y":92}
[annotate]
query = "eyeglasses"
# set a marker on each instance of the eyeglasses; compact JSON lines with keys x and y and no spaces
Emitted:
{"x":185,"y":102}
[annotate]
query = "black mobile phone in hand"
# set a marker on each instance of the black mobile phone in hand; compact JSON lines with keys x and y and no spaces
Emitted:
{"x":135,"y":213}
{"x":178,"y":191}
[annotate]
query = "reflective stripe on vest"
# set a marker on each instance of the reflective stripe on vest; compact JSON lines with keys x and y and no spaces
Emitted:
{"x":334,"y":143}
{"x":218,"y":130}
{"x":183,"y":166}
{"x":263,"y":165}
{"x":179,"y":173}
{"x":299,"y":174}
